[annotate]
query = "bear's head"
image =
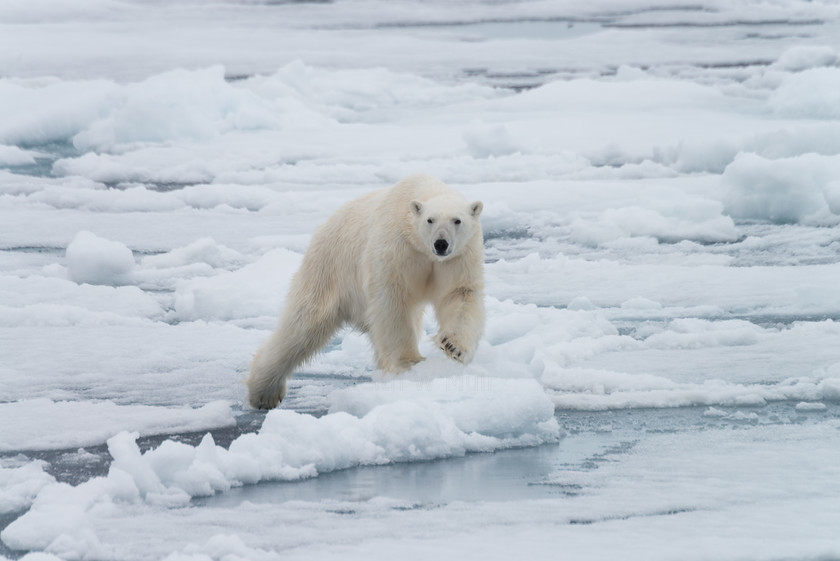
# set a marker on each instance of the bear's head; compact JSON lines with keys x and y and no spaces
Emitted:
{"x":445,"y":225}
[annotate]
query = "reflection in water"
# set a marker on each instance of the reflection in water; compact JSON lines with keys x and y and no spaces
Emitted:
{"x":500,"y":476}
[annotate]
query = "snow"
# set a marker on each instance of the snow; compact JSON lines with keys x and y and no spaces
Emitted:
{"x":45,"y":424}
{"x":659,"y":376}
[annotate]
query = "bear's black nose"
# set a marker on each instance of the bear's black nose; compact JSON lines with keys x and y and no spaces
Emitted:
{"x":441,"y":246}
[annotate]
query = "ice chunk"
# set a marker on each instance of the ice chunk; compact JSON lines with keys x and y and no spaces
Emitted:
{"x":46,"y":110}
{"x":351,"y":94}
{"x":700,"y":220}
{"x":257,"y":289}
{"x":14,"y":156}
{"x":507,"y":410}
{"x":485,"y":141}
{"x":831,"y":192}
{"x":687,"y":333}
{"x":377,"y":423}
{"x":20,"y":485}
{"x":813,"y":93}
{"x":714,"y":412}
{"x":582,"y":303}
{"x":95,"y":260}
{"x":203,"y":250}
{"x":741,"y":417}
{"x":175,"y":105}
{"x":786,"y":190}
{"x":810,"y":406}
{"x":641,"y":303}
{"x":38,"y":300}
{"x":803,"y":57}
{"x":600,"y":382}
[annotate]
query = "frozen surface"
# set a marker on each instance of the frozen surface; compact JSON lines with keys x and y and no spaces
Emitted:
{"x":659,"y":377}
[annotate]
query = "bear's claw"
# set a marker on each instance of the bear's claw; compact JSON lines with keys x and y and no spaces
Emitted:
{"x":450,"y":349}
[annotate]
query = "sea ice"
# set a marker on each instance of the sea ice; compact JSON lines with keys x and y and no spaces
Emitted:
{"x":661,"y":208}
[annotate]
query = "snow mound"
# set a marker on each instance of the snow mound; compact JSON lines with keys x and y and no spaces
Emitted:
{"x":45,"y":110}
{"x":203,"y":250}
{"x":370,"y":424}
{"x":699,"y":220}
{"x":14,"y":156}
{"x":257,"y":289}
{"x":201,"y":105}
{"x":95,"y":260}
{"x":693,"y":333}
{"x":813,"y":94}
{"x":493,"y":412}
{"x":175,"y":105}
{"x":488,"y":141}
{"x":357,"y":94}
{"x":20,"y":485}
{"x":803,"y":57}
{"x":785,"y":190}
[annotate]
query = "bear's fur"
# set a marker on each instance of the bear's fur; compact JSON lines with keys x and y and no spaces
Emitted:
{"x":374,"y":265}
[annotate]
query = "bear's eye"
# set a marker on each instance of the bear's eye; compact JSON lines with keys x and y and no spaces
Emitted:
{"x":457,"y":221}
{"x":431,"y":220}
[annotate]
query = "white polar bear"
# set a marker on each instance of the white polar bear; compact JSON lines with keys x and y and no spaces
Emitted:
{"x":374,"y":265}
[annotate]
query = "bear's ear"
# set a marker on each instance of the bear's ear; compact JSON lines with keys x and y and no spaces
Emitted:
{"x":416,"y":208}
{"x":476,"y":208}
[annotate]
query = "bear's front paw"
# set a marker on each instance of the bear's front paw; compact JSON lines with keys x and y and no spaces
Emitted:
{"x":452,"y":347}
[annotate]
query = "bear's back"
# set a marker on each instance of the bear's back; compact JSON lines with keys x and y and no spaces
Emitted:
{"x":421,"y":187}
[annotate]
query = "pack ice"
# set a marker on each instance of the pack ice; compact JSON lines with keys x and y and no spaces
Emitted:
{"x":659,"y":377}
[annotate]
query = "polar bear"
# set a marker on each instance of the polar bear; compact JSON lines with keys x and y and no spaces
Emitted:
{"x":374,"y":265}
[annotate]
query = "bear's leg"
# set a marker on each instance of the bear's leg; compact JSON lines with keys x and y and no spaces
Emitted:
{"x":394,"y":332}
{"x":297,"y":338}
{"x":418,"y":322}
{"x":460,"y":315}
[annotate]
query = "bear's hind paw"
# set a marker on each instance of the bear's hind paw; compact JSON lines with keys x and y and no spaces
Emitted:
{"x":264,"y":402}
{"x":263,"y":399}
